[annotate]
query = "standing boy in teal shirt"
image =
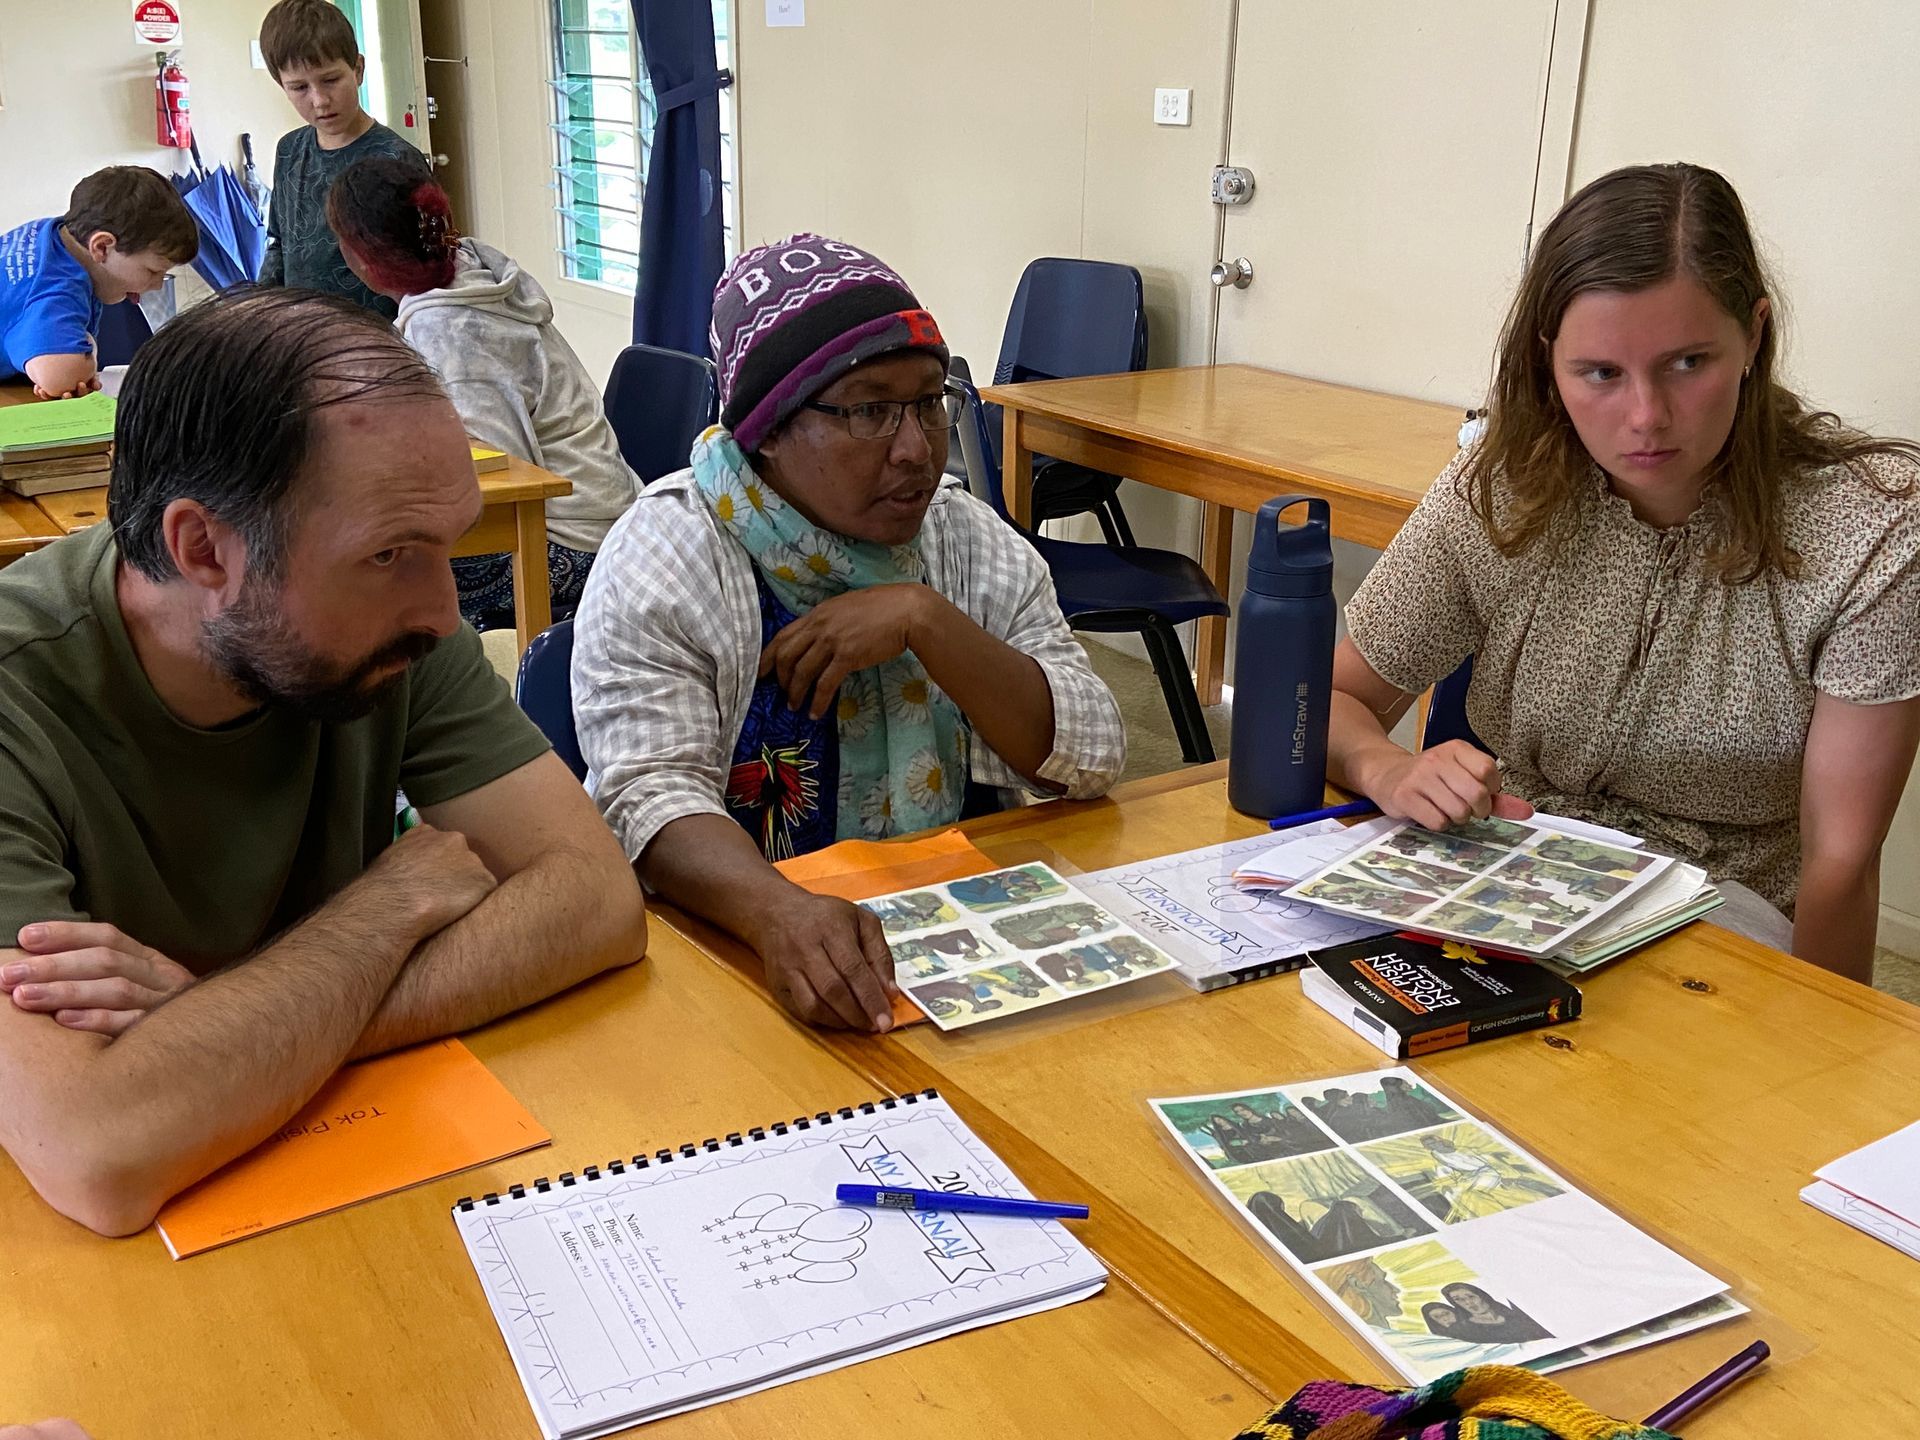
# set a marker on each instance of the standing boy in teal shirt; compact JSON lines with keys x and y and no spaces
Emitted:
{"x":125,"y":228}
{"x":313,"y":55}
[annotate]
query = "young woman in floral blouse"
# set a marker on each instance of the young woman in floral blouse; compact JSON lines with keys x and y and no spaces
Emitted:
{"x":1692,"y":602}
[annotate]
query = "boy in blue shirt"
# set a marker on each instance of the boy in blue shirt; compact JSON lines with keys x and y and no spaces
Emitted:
{"x":124,"y":229}
{"x":312,"y":53}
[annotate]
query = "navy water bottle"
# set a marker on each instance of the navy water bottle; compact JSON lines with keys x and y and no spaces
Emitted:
{"x":1283,"y":665}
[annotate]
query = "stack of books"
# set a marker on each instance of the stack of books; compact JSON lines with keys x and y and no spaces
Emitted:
{"x":56,"y":445}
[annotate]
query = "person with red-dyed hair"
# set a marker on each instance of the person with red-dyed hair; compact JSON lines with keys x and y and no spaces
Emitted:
{"x":486,"y":327}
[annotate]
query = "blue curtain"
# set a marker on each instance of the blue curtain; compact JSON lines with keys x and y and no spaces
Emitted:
{"x":682,"y":246}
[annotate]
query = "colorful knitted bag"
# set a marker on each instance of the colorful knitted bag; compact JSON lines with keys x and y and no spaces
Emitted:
{"x":1482,"y":1402}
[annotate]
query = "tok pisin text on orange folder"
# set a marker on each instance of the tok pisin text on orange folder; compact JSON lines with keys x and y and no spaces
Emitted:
{"x":374,"y":1128}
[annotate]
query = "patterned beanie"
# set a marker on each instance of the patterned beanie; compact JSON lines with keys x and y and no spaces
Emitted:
{"x":791,"y":318}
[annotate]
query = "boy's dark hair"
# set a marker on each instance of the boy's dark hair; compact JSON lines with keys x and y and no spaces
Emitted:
{"x":138,"y":207}
{"x":218,"y":408}
{"x":306,"y":32}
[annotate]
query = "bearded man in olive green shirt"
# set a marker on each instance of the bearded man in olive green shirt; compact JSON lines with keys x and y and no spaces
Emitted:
{"x":206,"y":709}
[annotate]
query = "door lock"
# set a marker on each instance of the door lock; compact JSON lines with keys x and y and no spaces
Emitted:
{"x":1232,"y":185}
{"x":1237,"y":273}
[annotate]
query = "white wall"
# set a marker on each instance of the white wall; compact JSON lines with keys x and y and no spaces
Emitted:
{"x":76,"y":94}
{"x":959,"y":142}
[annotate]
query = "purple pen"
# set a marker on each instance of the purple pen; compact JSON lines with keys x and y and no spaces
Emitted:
{"x":1701,"y":1391}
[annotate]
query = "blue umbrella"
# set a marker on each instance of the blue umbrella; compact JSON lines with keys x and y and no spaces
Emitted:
{"x":233,"y":237}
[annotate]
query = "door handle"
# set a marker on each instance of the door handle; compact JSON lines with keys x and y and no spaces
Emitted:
{"x":1237,"y":273}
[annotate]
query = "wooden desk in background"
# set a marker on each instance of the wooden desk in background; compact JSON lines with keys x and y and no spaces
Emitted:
{"x":514,"y":522}
{"x":1706,"y":1082}
{"x":1233,"y":436}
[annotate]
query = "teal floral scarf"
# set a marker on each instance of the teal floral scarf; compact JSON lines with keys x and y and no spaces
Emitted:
{"x":903,"y":744}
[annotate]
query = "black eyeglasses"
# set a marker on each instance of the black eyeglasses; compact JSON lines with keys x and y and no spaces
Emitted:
{"x":880,"y":419}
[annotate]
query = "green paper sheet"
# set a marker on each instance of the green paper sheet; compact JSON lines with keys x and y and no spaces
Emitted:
{"x":27,"y":428}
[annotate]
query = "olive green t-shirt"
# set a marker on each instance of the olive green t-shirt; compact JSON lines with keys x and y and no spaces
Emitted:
{"x":204,"y":843}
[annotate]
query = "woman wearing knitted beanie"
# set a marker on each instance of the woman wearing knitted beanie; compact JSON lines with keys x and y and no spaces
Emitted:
{"x":813,"y":635}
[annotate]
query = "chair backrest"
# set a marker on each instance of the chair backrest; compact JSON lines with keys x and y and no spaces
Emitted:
{"x":976,"y":449}
{"x":544,"y":690}
{"x":958,"y":369}
{"x":123,"y":330}
{"x":658,"y":401}
{"x":1071,"y":317}
{"x":1447,"y":711}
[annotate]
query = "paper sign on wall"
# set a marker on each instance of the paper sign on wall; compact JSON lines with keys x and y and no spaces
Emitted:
{"x":786,"y":12}
{"x":156,"y":22}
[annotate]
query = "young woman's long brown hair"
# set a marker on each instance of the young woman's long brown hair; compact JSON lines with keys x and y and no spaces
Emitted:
{"x":1627,"y":231}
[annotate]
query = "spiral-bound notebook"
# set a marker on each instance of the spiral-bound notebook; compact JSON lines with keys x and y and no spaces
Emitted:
{"x":667,"y":1282}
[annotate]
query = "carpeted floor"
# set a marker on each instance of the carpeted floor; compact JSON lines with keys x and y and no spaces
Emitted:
{"x":1153,"y":750}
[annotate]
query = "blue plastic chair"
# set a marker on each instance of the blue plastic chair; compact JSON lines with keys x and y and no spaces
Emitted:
{"x":1106,"y":591}
{"x":1447,"y":712}
{"x":1071,"y":318}
{"x":544,"y":689}
{"x":658,"y":401}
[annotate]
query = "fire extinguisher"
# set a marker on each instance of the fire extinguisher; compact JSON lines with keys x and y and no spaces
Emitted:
{"x":172,"y":125}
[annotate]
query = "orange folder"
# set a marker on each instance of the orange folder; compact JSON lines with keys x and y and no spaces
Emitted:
{"x":374,"y":1128}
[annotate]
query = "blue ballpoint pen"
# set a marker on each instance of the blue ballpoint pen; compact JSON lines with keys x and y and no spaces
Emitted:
{"x":1330,"y":812}
{"x":892,"y":1197}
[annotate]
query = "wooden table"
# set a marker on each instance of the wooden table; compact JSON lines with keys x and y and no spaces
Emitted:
{"x":370,"y":1322}
{"x":514,"y":522}
{"x":24,"y":527}
{"x":1233,"y":436}
{"x":1707,"y":1081}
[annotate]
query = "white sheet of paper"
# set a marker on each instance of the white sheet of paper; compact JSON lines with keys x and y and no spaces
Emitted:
{"x":1865,"y":1216}
{"x":1885,"y":1173}
{"x":636,"y":1295}
{"x":786,"y":13}
{"x":1437,"y":1238}
{"x":1189,"y":905}
{"x":1313,"y":847}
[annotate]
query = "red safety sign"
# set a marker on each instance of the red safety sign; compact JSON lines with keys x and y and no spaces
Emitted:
{"x":156,"y":22}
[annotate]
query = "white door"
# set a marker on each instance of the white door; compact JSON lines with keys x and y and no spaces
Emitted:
{"x":396,"y":67}
{"x":1393,"y":147}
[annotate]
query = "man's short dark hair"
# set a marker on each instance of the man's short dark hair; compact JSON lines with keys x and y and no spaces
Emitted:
{"x":218,"y":408}
{"x":138,"y":207}
{"x":306,"y":32}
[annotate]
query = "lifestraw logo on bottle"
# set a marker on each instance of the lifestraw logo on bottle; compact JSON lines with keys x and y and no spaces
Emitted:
{"x":1298,"y":755}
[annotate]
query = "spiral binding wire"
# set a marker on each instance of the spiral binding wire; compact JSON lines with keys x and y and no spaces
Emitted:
{"x":711,"y":1146}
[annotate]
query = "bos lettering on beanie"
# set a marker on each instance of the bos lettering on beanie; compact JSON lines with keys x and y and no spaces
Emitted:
{"x":791,"y":318}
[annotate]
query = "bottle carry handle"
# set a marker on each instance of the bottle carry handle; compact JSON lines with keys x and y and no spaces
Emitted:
{"x":1319,"y":513}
